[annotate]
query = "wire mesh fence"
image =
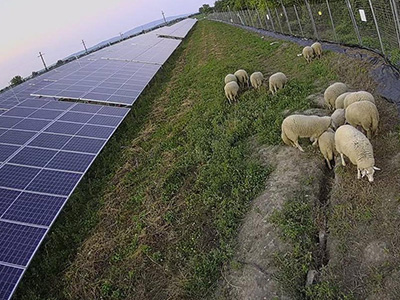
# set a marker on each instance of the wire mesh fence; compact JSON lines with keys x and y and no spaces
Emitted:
{"x":373,"y":24}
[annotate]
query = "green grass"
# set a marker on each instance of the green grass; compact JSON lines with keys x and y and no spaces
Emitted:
{"x":157,"y":215}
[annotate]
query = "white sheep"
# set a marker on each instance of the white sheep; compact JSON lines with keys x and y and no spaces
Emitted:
{"x":339,"y":102}
{"x":242,"y":77}
{"x":355,"y":145}
{"x":231,"y":91}
{"x":358,"y":96}
{"x":229,"y":78}
{"x":365,"y":114}
{"x":256,"y":79}
{"x":317,"y":48}
{"x":308,"y":53}
{"x":277,"y":81}
{"x":326,"y":143}
{"x":334,"y":91}
{"x":296,"y":126}
{"x":338,"y":118}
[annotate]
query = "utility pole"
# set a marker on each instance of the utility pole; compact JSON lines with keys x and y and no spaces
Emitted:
{"x":120,"y":34}
{"x":41,"y":56}
{"x":84,"y":46}
{"x":165,"y":21}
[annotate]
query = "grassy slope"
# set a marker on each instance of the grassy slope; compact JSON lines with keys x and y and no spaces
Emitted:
{"x":157,"y":214}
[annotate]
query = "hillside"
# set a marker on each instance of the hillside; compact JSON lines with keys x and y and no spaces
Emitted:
{"x":158,"y":214}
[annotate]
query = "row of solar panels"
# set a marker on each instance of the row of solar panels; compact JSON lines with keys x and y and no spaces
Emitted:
{"x":116,"y":74}
{"x":46,"y":146}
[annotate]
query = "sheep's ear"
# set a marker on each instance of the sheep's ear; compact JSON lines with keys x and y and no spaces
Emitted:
{"x":375,"y":168}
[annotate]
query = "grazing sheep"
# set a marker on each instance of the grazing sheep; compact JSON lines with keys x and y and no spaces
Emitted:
{"x":339,"y":102}
{"x":229,"y":78}
{"x":308,"y":53}
{"x":256,"y":79}
{"x":357,"y":96}
{"x":296,"y":126}
{"x":231,"y":91}
{"x":355,"y":145}
{"x":242,"y":77}
{"x":317,"y":48}
{"x":338,"y":118}
{"x":365,"y":114}
{"x":326,"y":143}
{"x":334,"y":91}
{"x":277,"y":81}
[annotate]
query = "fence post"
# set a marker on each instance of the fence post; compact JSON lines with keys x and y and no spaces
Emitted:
{"x":251,"y":19}
{"x":330,"y":16}
{"x":279,"y":21}
{"x":240,"y":18}
{"x":287,"y":19}
{"x":272,"y":21}
{"x":395,"y":18}
{"x":312,"y":20}
{"x":298,"y":20}
{"x":354,"y":21}
{"x":377,"y":28}
{"x":259,"y":19}
{"x":266,"y":21}
{"x":397,"y":15}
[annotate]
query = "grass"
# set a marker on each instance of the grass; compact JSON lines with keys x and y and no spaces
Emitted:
{"x":157,"y":215}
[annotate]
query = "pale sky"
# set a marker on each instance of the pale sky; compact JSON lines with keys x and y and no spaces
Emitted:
{"x":57,"y":27}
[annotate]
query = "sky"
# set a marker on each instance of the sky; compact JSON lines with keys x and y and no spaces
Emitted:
{"x":57,"y":27}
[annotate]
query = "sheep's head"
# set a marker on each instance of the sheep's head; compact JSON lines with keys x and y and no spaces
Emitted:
{"x":369,"y":172}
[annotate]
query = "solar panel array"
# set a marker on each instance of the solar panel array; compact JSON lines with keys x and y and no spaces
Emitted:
{"x":178,"y":30}
{"x":45,"y":149}
{"x":46,"y":146}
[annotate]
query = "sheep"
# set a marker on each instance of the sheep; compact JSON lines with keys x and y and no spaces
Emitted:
{"x":326,"y":143}
{"x":355,"y":145}
{"x":339,"y":102}
{"x":357,"y":96}
{"x":277,"y":81}
{"x":256,"y":79}
{"x":231,"y":91}
{"x":317,"y":48}
{"x":242,"y":77}
{"x":296,"y":126}
{"x":229,"y":78}
{"x":308,"y":53}
{"x":334,"y":91}
{"x":363,"y":113}
{"x":338,"y":118}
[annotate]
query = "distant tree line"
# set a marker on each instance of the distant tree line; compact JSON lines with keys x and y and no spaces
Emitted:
{"x":222,"y":5}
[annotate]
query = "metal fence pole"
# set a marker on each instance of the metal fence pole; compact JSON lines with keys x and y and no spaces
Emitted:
{"x":272,"y":21}
{"x":251,"y":19}
{"x":376,"y":25}
{"x":333,"y":24}
{"x":240,"y":18}
{"x":279,"y":21}
{"x":354,"y":22}
{"x":298,"y":20}
{"x":396,"y":13}
{"x":266,"y":21}
{"x":259,"y":19}
{"x":312,"y":20}
{"x":392,"y":6}
{"x":287,"y":19}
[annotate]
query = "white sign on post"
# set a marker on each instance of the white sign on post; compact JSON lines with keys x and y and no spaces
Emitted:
{"x":362,"y":15}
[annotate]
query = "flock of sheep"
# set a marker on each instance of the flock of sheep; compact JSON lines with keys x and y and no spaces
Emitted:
{"x":240,"y":80}
{"x":340,"y":133}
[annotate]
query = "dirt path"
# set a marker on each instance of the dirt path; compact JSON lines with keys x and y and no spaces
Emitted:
{"x":253,"y":275}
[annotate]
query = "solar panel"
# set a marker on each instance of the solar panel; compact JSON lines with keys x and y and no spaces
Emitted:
{"x":177,"y":30}
{"x":46,"y":146}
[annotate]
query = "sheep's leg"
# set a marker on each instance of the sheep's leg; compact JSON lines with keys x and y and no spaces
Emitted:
{"x":315,"y":142}
{"x":369,"y":135}
{"x":342,"y":158}
{"x":358,"y":173}
{"x":329,"y":164}
{"x":298,"y":146}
